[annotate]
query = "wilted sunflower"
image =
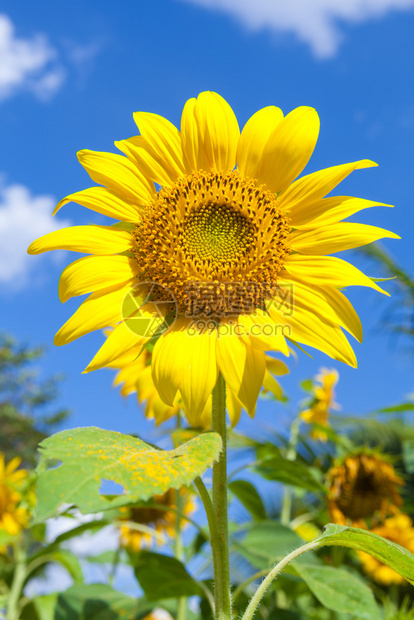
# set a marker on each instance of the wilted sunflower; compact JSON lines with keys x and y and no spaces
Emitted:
{"x":216,"y":223}
{"x":160,"y":519}
{"x":361,"y":487}
{"x":13,"y":518}
{"x":399,"y":529}
{"x":322,"y":403}
{"x":135,"y":376}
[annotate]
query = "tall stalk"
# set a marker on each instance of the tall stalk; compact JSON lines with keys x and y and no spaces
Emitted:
{"x":221,"y":556}
{"x":179,"y":553}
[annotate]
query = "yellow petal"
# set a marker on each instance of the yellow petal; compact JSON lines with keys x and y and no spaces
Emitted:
{"x":99,"y":310}
{"x":127,"y":376}
{"x":210,"y":133}
{"x":262,"y":331}
{"x":234,"y":407}
{"x":271,"y":385}
{"x":167,"y":363}
{"x":93,"y":273}
{"x":199,"y":371}
{"x":163,"y":140}
{"x":193,"y":159}
{"x":120,"y":340}
{"x":253,"y":139}
{"x":327,"y":270}
{"x":10,"y":525}
{"x":128,"y":358}
{"x":190,"y":367}
{"x":205,"y":416}
{"x":12,"y":465}
{"x":158,"y":410}
{"x":329,"y":303}
{"x":102,"y":200}
{"x":315,"y":186}
{"x":289,"y":148}
{"x":276,"y":367}
{"x":118,"y":174}
{"x":242,"y":365}
{"x":87,"y":239}
{"x":330,"y":210}
{"x":308,"y":328}
{"x":336,"y":238}
{"x":138,"y":151}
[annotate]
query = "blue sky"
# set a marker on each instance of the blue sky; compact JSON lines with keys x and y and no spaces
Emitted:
{"x":72,"y":74}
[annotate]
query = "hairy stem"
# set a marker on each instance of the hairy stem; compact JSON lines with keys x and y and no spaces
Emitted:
{"x":179,"y":553}
{"x":273,"y":574}
{"x":222,"y":563}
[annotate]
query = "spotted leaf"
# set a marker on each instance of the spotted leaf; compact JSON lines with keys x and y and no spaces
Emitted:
{"x":75,"y":463}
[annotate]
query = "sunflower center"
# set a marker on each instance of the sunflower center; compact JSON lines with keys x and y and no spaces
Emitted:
{"x":217,"y":241}
{"x":217,"y":232}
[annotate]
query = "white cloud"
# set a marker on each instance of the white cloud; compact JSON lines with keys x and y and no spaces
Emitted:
{"x":23,"y":218}
{"x":315,"y":22}
{"x":27,"y":64}
{"x":82,"y":57}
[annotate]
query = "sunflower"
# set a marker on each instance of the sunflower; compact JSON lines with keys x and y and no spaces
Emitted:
{"x":163,"y":520}
{"x":399,"y":529}
{"x":13,"y":518}
{"x":221,"y":244}
{"x":135,"y":376}
{"x":323,"y":401}
{"x":361,"y":487}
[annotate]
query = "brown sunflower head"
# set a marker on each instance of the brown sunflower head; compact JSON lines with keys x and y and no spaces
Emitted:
{"x":361,"y":487}
{"x":157,"y":519}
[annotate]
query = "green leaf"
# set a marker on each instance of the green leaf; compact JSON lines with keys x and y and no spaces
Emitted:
{"x":266,"y":542}
{"x":76,"y":531}
{"x":70,"y":562}
{"x":161,"y":576}
{"x":95,"y":602}
{"x":339,"y":590}
{"x":182,"y":435}
{"x":106,"y":557}
{"x":293,"y":473}
{"x":5,"y":538}
{"x":247,"y":494}
{"x":397,"y":408}
{"x":307,"y":385}
{"x":40,"y":608}
{"x":90,"y":455}
{"x":97,"y":524}
{"x":391,"y":554}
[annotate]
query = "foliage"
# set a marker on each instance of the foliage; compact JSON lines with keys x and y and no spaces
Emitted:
{"x":320,"y":570}
{"x":23,"y":398}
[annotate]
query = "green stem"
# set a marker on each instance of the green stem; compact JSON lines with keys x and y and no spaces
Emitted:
{"x":212,"y":525}
{"x":179,"y":553}
{"x":16,"y":589}
{"x":211,"y":517}
{"x":286,"y":511}
{"x":222,"y":587}
{"x":273,"y":574}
